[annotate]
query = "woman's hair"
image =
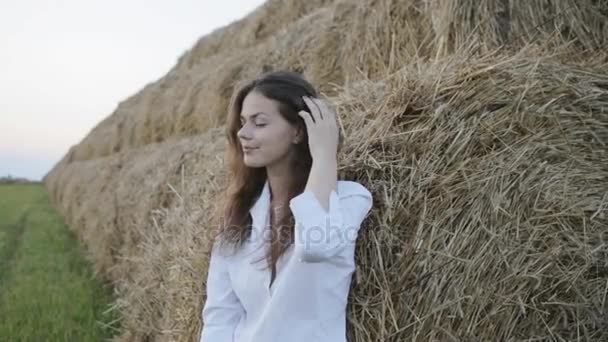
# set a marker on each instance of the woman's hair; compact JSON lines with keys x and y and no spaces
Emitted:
{"x":245,"y":183}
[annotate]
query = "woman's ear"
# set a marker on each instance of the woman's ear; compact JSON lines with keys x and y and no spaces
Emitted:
{"x":299,"y":135}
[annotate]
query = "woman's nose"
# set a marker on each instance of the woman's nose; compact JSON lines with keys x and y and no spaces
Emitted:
{"x":244,"y":133}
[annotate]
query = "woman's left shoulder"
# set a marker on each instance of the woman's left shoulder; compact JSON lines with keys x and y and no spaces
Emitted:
{"x":348,"y":188}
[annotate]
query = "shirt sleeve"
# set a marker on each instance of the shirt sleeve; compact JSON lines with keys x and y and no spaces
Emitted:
{"x":321,"y":235}
{"x":222,"y":310}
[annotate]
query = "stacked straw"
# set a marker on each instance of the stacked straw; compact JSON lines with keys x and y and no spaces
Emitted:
{"x":481,"y":128}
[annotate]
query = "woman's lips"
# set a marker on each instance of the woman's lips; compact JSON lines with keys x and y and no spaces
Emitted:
{"x":248,"y":150}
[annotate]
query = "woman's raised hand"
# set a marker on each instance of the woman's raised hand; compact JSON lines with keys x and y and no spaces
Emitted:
{"x":322,"y":127}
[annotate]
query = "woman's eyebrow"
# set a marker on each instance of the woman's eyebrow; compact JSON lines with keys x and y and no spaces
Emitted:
{"x":254,"y":115}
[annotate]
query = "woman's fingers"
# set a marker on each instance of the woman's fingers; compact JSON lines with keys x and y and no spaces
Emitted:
{"x":328,"y":113}
{"x":314,"y":108}
{"x":308,"y":120}
{"x":320,"y":111}
{"x":310,"y":115}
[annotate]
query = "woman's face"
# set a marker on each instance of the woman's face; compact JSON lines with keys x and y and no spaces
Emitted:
{"x":265,"y":131}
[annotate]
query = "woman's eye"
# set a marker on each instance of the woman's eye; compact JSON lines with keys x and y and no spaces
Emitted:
{"x":256,"y":124}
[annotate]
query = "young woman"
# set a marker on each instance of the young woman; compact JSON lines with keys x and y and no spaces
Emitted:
{"x":290,"y":223}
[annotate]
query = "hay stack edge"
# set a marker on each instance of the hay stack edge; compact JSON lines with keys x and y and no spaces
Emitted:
{"x":481,"y":128}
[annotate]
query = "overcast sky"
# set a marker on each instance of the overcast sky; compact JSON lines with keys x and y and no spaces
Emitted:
{"x":65,"y":65}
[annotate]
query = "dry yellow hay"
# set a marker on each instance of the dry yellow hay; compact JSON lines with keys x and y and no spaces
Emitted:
{"x":486,"y":153}
{"x":333,"y":42}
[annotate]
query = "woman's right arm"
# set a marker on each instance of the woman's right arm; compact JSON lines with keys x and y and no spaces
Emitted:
{"x":222,"y":310}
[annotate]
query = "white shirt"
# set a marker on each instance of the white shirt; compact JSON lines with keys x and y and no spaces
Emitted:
{"x":307,"y":300}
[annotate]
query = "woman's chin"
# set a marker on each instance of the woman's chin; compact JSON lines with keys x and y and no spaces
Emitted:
{"x":251,"y":162}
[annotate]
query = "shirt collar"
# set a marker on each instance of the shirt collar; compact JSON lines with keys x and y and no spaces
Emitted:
{"x":260,"y":208}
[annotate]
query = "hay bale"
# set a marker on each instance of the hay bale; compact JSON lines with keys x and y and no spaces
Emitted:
{"x":489,"y":23}
{"x":333,"y":43}
{"x":262,"y":23}
{"x":491,"y":186}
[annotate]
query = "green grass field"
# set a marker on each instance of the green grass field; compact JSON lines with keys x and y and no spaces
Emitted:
{"x":47,"y":290}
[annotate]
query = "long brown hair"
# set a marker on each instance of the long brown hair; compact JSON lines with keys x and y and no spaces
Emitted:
{"x":245,"y":184}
